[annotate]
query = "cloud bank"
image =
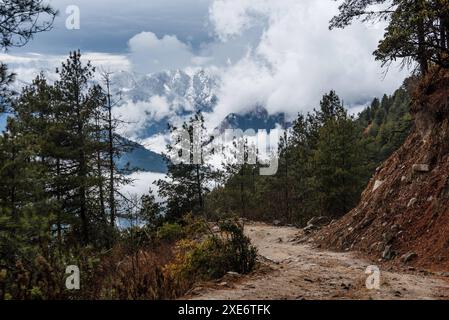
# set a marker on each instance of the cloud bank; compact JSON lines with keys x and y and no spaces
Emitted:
{"x":152,"y":54}
{"x":275,"y":53}
{"x":297,"y":58}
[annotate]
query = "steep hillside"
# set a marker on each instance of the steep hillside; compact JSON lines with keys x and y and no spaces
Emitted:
{"x":403,"y":215}
{"x":182,"y":94}
{"x":138,"y":158}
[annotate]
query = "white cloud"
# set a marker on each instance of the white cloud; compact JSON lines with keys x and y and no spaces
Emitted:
{"x":157,"y":143}
{"x":28,"y":66}
{"x":141,"y":184}
{"x":137,"y":115}
{"x":151,"y":54}
{"x":297,"y":58}
{"x":277,"y":53}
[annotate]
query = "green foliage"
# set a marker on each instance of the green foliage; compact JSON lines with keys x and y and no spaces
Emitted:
{"x":22,"y":19}
{"x":325,"y":161}
{"x":339,"y":166}
{"x":216,"y":255}
{"x":417,"y":31}
{"x":170,"y":232}
{"x":6,"y":78}
{"x":187,"y":182}
{"x":240,"y":254}
{"x":150,"y":211}
{"x":382,"y":138}
{"x":53,"y":156}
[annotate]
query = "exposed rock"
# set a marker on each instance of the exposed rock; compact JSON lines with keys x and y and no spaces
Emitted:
{"x":276,"y":223}
{"x":309,"y":228}
{"x":216,"y":229}
{"x":421,"y":168}
{"x":388,"y":253}
{"x":408,"y":257}
{"x":366,"y":222}
{"x":196,"y":291}
{"x":412,"y":202}
{"x":418,"y":204}
{"x":395,"y":228}
{"x":346,"y":286}
{"x":318,"y":221}
{"x":388,"y":236}
{"x":444,"y":274}
{"x":377,"y":184}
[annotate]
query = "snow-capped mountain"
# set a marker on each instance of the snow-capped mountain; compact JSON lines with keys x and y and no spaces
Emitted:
{"x":180,"y":95}
{"x":148,"y":103}
{"x":257,"y":119}
{"x":184,"y":91}
{"x":163,"y":97}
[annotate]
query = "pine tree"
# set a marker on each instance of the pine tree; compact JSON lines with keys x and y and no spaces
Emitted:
{"x":115,"y":147}
{"x":188,"y":182}
{"x":79,"y":103}
{"x":338,"y":161}
{"x":6,"y":79}
{"x":240,"y":172}
{"x":20,"y":20}
{"x":417,"y":30}
{"x":150,"y":211}
{"x":112,"y":150}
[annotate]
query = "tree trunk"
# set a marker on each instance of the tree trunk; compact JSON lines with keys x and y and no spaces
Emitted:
{"x":58,"y":198}
{"x":82,"y":198}
{"x":422,"y":58}
{"x":111,"y":156}
{"x":100,"y":174}
{"x":199,"y":187}
{"x":422,"y":53}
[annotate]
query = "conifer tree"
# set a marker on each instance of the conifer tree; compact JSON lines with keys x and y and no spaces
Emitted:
{"x":189,"y":181}
{"x":79,"y":102}
{"x":338,"y":165}
{"x":20,"y":20}
{"x":417,"y":30}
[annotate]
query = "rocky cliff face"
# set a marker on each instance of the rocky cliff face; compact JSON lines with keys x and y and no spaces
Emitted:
{"x":403,"y":215}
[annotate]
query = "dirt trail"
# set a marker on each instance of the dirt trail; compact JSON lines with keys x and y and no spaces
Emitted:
{"x":298,"y":271}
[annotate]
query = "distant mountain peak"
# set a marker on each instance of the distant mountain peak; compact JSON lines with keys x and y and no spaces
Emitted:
{"x":185,"y":93}
{"x":257,"y":119}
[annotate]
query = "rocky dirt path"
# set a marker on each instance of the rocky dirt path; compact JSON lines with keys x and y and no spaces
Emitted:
{"x":298,"y":271}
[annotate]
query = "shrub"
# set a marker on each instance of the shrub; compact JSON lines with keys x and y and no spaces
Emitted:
{"x":137,"y":237}
{"x":194,"y":226}
{"x":213,"y":257}
{"x":170,"y":232}
{"x":133,"y":268}
{"x":141,"y":276}
{"x":241,"y":255}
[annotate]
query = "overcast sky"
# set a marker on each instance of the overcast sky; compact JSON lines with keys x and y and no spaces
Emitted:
{"x":107,"y":25}
{"x":278,"y":53}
